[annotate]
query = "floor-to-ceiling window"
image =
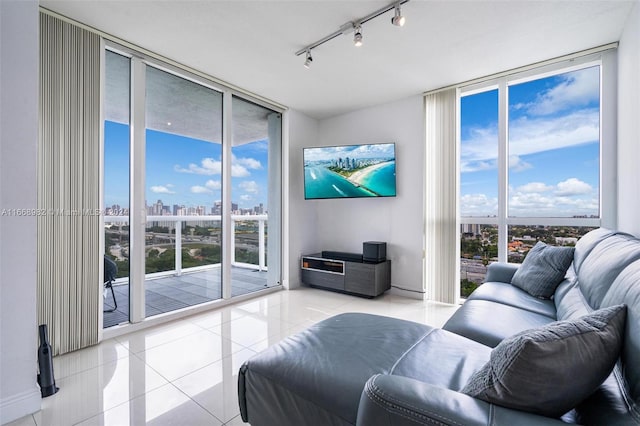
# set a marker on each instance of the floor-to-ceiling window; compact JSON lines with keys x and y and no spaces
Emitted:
{"x":195,"y":146}
{"x":116,"y":183}
{"x":535,"y":149}
{"x":255,"y":212}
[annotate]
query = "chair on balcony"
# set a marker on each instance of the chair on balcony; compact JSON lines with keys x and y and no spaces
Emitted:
{"x":110,"y":272}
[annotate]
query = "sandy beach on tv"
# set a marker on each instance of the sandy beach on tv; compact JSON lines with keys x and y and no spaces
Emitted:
{"x":359,"y":176}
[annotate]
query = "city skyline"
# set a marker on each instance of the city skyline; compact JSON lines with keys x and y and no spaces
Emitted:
{"x":160,"y":209}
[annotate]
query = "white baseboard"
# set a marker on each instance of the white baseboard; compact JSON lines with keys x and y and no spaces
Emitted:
{"x":411,"y":294}
{"x":20,"y":405}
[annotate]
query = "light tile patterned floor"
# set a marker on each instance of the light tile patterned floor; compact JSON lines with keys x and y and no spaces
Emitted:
{"x":185,"y":372}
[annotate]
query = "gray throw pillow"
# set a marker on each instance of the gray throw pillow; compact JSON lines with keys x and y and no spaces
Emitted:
{"x":543,"y":269}
{"x":549,"y":370}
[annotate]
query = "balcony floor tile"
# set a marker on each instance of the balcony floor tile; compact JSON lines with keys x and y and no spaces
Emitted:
{"x":169,"y":293}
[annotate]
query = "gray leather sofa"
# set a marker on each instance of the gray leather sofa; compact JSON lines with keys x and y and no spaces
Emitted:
{"x":360,"y":369}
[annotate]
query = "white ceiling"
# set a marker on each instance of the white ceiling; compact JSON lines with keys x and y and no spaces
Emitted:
{"x":251,"y":44}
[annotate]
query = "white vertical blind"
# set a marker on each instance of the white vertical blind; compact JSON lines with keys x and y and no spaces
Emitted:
{"x":441,"y":228}
{"x":69,"y":282}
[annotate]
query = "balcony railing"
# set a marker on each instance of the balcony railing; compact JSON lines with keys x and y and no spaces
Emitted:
{"x":176,"y":238}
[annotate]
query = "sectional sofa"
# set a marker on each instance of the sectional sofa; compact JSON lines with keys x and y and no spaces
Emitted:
{"x":506,"y":357}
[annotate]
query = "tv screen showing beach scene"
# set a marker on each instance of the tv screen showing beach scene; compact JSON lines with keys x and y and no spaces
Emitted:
{"x":350,"y":171}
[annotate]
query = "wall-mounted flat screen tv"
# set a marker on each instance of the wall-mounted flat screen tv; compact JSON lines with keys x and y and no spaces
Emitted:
{"x":350,"y":171}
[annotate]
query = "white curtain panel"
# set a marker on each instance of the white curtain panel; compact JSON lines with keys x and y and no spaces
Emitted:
{"x":69,"y":284}
{"x":441,"y":230}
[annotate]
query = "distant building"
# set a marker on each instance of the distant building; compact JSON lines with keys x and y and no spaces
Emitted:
{"x":471,"y":229}
{"x":563,"y":241}
{"x":524,"y":238}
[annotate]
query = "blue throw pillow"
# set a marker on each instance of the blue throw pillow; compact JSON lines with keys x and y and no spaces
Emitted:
{"x":543,"y":270}
{"x":551,"y":369}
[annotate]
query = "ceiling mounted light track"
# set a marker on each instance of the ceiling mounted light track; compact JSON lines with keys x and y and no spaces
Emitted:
{"x":356,"y":27}
{"x":308,"y":60}
{"x":397,"y":20}
{"x":357,"y":36}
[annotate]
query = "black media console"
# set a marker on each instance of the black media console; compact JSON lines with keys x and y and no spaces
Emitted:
{"x":347,"y":273}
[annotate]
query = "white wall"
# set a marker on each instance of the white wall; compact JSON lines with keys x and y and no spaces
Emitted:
{"x":629,"y":125}
{"x":19,"y":393}
{"x":303,"y":216}
{"x":344,"y":224}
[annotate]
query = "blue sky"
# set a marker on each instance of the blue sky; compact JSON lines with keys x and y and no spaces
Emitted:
{"x":386,"y":150}
{"x":553,"y":144}
{"x":184,"y":171}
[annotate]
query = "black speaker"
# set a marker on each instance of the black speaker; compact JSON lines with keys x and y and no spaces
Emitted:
{"x":374,"y":251}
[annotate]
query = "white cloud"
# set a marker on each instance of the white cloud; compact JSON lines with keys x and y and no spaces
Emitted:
{"x":197,"y":189}
{"x":160,"y":189}
{"x":529,"y":136}
{"x":249,"y":186}
{"x":539,"y":132}
{"x":246,"y":197}
{"x":517,"y":164}
{"x":250,"y":163}
{"x":565,"y":199}
{"x":577,"y":89}
{"x":541,"y":205}
{"x":239,"y":171}
{"x":529,"y":202}
{"x":208,"y":188}
{"x":480,"y":150}
{"x":573,"y":186}
{"x":536,"y":187}
{"x":478,"y":205}
{"x":534,"y":199}
{"x":213,"y":184}
{"x":208,"y":166}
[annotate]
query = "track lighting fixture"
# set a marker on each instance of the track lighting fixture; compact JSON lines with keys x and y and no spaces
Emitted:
{"x":357,"y":36}
{"x":355,"y":26}
{"x":308,"y":60}
{"x":397,"y":20}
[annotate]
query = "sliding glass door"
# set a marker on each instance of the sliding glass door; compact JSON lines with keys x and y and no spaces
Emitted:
{"x":183,"y":169}
{"x":204,"y":194}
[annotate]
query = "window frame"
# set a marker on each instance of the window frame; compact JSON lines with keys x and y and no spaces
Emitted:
{"x":606,"y":60}
{"x":137,"y":211}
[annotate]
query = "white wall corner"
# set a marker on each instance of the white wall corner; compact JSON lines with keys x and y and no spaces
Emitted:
{"x":301,"y":215}
{"x":15,"y":406}
{"x":344,"y":224}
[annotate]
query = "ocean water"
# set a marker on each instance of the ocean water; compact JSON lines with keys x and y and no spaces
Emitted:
{"x":383,"y":180}
{"x":320,"y":182}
